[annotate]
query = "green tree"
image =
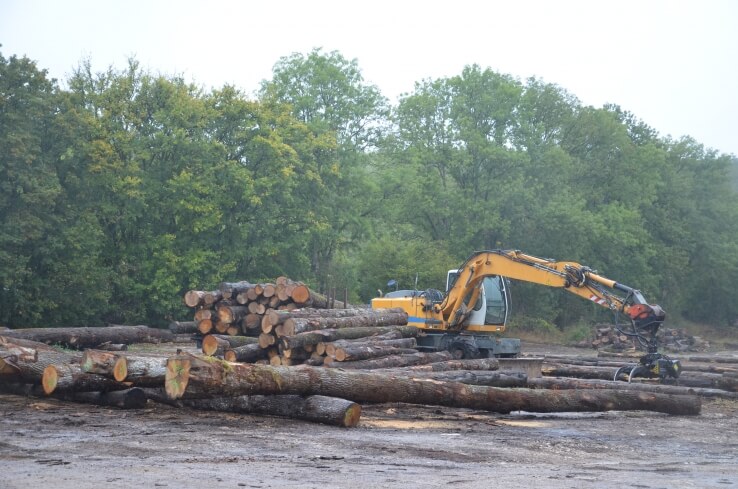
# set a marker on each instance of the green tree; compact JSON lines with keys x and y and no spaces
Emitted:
{"x":328,"y":93}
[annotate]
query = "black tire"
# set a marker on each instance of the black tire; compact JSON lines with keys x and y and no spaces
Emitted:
{"x":463,"y":349}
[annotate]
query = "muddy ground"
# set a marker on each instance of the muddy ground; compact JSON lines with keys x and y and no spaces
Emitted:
{"x":46,"y":443}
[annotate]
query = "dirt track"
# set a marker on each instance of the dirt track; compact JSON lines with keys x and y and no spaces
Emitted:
{"x":48,"y":443}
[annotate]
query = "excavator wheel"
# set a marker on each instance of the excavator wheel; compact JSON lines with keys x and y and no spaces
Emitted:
{"x":463,"y":349}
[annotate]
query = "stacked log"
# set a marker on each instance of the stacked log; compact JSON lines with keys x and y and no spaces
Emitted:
{"x":237,"y":308}
{"x":608,"y":337}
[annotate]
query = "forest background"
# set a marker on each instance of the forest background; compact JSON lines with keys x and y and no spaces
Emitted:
{"x":122,"y":189}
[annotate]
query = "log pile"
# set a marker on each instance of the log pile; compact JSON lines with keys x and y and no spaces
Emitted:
{"x":237,"y":308}
{"x":716,"y":379}
{"x":280,"y":349}
{"x":607,"y":337}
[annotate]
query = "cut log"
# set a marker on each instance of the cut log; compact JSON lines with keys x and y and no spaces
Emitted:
{"x":212,"y":297}
{"x":99,"y":362}
{"x":33,"y":371}
{"x":326,"y":335}
{"x":713,"y":358}
{"x":332,"y":348}
{"x":578,"y":371}
{"x":215,"y":345}
{"x":231,"y":289}
{"x":497,"y":378}
{"x":256,"y":308}
{"x":394,"y":361}
{"x":318,"y":409}
{"x":448,"y":365}
{"x":133,"y":398}
{"x":293,"y":326}
{"x":569,"y":383}
{"x":306,"y":297}
{"x":247,"y":353}
{"x":205,"y":326}
{"x":183,"y":327}
{"x":194,"y":377}
{"x":205,"y":313}
{"x":267,"y":340}
{"x":69,"y":377}
{"x":85,"y":337}
{"x":194,"y":298}
{"x":231,"y":314}
{"x":367,"y":351}
{"x":142,"y":371}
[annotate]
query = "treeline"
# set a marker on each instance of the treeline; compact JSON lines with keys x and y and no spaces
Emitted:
{"x":121,"y":190}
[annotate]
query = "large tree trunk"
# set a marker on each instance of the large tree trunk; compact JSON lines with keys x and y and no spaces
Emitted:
{"x":216,"y":345}
{"x":326,"y":335}
{"x":569,"y":383}
{"x":293,"y":326}
{"x":394,"y":361}
{"x":367,"y":351}
{"x":448,"y":365}
{"x":80,"y":338}
{"x":276,"y":317}
{"x":194,"y":377}
{"x":305,"y":297}
{"x":246,"y":353}
{"x":99,"y":362}
{"x":579,"y":371}
{"x":133,"y":398}
{"x":497,"y":378}
{"x":142,"y":371}
{"x":319,"y":409}
{"x":183,"y":327}
{"x":33,"y":371}
{"x":69,"y":377}
{"x":333,"y":348}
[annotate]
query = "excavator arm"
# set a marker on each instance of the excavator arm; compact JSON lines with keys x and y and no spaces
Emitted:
{"x":573,"y":277}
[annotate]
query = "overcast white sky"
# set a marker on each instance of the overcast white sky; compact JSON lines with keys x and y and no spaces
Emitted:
{"x":674,"y":64}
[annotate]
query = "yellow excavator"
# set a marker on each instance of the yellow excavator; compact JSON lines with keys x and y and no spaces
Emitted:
{"x":469,"y":317}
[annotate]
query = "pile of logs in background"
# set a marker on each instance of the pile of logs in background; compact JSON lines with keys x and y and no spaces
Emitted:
{"x":283,"y":350}
{"x":609,"y":338}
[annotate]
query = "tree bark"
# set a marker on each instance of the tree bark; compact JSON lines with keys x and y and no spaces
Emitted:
{"x":578,"y":371}
{"x":215,"y":345}
{"x":231,"y":289}
{"x":230,"y":314}
{"x":293,"y":326}
{"x":133,"y":398}
{"x":476,"y":377}
{"x":448,"y":365}
{"x":305,"y":297}
{"x":367,"y":351}
{"x":326,"y":335}
{"x":331,"y":348}
{"x":142,"y":371}
{"x":569,"y":383}
{"x":246,"y":353}
{"x":69,"y":377}
{"x":33,"y":372}
{"x":85,"y":337}
{"x":394,"y":361}
{"x":319,"y":409}
{"x":183,"y":327}
{"x":197,"y":378}
{"x":276,"y":317}
{"x":99,"y":362}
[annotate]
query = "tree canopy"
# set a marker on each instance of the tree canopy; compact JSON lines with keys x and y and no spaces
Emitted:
{"x":124,"y":189}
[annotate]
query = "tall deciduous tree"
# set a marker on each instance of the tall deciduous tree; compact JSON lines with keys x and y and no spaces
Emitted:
{"x":328,"y":93}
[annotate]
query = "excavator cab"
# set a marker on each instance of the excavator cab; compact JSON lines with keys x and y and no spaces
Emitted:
{"x":493,"y":304}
